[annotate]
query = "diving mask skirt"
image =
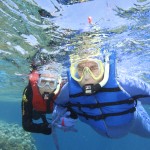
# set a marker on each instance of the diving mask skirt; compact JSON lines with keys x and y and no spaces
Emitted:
{"x":92,"y":67}
{"x":47,"y":82}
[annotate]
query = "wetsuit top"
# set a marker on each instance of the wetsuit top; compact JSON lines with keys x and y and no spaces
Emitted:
{"x":34,"y":107}
{"x":28,"y":114}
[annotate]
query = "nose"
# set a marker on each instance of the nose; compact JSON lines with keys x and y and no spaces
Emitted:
{"x":47,"y":85}
{"x":86,"y":75}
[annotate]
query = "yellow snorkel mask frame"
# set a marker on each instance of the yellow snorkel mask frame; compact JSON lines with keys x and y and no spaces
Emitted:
{"x":74,"y":70}
{"x":104,"y":71}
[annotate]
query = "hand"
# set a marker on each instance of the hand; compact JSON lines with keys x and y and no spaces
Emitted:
{"x":67,"y":122}
{"x":57,"y":113}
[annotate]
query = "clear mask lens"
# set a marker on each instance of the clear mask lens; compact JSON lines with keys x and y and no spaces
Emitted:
{"x":94,"y":68}
{"x":44,"y":82}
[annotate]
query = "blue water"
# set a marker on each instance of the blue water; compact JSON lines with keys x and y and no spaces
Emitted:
{"x":120,"y":25}
{"x":85,"y":138}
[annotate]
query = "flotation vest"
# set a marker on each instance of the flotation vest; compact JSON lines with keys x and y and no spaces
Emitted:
{"x":39,"y":104}
{"x":111,"y":106}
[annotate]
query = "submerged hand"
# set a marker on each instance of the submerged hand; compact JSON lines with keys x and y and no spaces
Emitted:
{"x":67,"y":122}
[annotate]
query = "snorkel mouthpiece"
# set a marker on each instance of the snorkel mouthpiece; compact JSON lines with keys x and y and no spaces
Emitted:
{"x":90,"y":89}
{"x":47,"y":95}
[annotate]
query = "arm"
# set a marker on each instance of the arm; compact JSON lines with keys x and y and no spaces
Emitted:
{"x":27,"y":110}
{"x":135,"y":86}
{"x":63,"y":114}
{"x":63,"y":99}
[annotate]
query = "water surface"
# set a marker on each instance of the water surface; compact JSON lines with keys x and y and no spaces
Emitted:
{"x":55,"y":31}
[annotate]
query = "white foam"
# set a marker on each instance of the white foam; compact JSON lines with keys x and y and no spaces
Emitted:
{"x":12,"y":4}
{"x":2,"y":51}
{"x":30,"y":39}
{"x":21,"y":50}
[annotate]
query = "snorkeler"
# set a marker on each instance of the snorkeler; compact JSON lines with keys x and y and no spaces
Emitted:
{"x":38,"y":101}
{"x":95,"y":95}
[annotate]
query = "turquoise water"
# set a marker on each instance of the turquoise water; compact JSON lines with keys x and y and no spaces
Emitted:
{"x":120,"y":25}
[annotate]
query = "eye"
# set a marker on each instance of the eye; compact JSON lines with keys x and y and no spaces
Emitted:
{"x":80,"y":69}
{"x":51,"y":82}
{"x":43,"y":82}
{"x":94,"y":68}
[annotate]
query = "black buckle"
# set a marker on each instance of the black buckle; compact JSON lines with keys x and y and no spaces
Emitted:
{"x":47,"y":96}
{"x":88,"y":89}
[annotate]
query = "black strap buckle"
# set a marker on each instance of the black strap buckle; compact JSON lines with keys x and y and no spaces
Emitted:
{"x":47,"y":96}
{"x":88,"y":89}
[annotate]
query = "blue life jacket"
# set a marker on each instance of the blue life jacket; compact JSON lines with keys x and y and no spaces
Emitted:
{"x":111,"y":106}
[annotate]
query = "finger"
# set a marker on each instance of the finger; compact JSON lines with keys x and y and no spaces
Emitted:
{"x":67,"y":114}
{"x":59,"y":126}
{"x":73,"y":120}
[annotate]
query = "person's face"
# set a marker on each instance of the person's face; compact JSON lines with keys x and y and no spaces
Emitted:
{"x":47,"y":83}
{"x":89,"y":71}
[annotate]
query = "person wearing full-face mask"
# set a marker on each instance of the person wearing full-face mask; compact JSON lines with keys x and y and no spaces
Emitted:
{"x":39,"y":99}
{"x":110,"y":107}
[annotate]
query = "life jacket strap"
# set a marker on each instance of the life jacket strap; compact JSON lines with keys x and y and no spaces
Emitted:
{"x":99,"y":105}
{"x":104,"y":116}
{"x":131,"y":100}
{"x":97,"y":89}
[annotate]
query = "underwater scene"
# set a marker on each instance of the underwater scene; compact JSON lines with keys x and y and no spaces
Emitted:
{"x":57,"y":31}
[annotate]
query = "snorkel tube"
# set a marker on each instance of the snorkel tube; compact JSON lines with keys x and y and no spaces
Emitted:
{"x":106,"y":71}
{"x":58,"y":86}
